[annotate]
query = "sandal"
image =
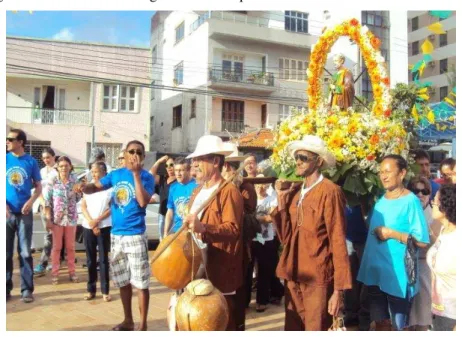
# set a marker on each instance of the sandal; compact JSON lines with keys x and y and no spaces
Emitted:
{"x":73,"y":278}
{"x":54,"y":280}
{"x":89,"y":296}
{"x":107,"y":298}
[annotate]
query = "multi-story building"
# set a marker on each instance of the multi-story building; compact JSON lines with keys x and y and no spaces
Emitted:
{"x":224,"y":73}
{"x":229,"y":71}
{"x":444,"y":53}
{"x":70,"y":95}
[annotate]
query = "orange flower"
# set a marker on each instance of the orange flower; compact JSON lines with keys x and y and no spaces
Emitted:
{"x":384,"y":130}
{"x":386,"y":81}
{"x":354,"y":22}
{"x":371,"y":64}
{"x":370,"y":157}
{"x":375,"y":42}
{"x":387,"y":113}
{"x":375,"y":77}
{"x":374,"y":139}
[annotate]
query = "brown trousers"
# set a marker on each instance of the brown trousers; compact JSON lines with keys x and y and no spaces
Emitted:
{"x":306,"y":307}
{"x":231,"y":301}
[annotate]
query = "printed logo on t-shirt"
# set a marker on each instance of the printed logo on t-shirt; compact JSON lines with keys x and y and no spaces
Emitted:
{"x":16,"y":176}
{"x":181,"y":206}
{"x":123,"y":194}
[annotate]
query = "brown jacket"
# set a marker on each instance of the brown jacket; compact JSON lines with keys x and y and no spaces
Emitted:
{"x":223,"y":223}
{"x":315,"y":250}
{"x":250,"y":197}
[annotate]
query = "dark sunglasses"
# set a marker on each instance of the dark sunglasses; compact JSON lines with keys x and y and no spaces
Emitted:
{"x":304,"y":158}
{"x":121,"y":158}
{"x":170,"y":165}
{"x":138,"y":152}
{"x":11,"y":139}
{"x":425,"y":191}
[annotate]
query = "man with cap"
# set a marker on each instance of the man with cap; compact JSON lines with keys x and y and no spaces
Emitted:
{"x":220,"y":223}
{"x":249,"y":196}
{"x":310,"y":222}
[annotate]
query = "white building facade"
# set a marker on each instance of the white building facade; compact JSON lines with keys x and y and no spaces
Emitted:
{"x":68,"y":95}
{"x":224,"y":73}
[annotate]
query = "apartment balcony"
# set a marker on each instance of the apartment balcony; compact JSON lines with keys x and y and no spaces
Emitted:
{"x":232,"y":25}
{"x":29,"y":115}
{"x":243,"y":80}
{"x":232,"y":126}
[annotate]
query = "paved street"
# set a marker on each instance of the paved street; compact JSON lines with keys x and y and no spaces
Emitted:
{"x":62,"y":307}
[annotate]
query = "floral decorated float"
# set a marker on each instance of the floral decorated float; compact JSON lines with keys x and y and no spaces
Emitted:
{"x":356,"y":136}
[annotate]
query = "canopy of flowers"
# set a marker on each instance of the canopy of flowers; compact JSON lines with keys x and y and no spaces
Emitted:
{"x":357,"y":138}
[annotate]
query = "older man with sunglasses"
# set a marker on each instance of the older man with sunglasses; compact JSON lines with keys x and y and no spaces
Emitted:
{"x":132,"y":190}
{"x":310,"y":222}
{"x":220,"y":223}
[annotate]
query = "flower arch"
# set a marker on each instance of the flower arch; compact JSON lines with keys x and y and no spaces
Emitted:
{"x":375,"y":63}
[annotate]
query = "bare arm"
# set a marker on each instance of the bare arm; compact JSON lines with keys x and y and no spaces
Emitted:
{"x":155,"y":167}
{"x":37,"y":193}
{"x":90,"y":188}
{"x":168,"y":221}
{"x":141,"y":195}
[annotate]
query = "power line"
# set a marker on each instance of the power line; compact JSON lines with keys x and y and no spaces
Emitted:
{"x":214,"y":93}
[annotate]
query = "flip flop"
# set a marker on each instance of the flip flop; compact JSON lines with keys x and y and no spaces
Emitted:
{"x":120,"y":327}
{"x":107,"y":298}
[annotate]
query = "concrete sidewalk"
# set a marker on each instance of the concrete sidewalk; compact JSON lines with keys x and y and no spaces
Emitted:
{"x":62,"y":307}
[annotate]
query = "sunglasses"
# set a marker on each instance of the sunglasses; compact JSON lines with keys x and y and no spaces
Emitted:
{"x":138,"y":152}
{"x":11,"y":139}
{"x":121,"y":158}
{"x":424,"y":191}
{"x":170,"y":165}
{"x":304,"y":158}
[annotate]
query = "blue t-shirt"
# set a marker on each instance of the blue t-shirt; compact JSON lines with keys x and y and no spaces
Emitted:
{"x":127,"y":214}
{"x":178,"y":200}
{"x":435,"y":188}
{"x":21,"y":173}
{"x":382,"y":264}
{"x":356,"y":230}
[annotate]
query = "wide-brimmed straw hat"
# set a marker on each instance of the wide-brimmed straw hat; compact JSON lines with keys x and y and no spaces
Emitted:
{"x":316,"y":145}
{"x":210,"y":144}
{"x":235,"y":155}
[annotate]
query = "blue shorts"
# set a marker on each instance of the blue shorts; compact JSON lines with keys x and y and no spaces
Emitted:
{"x":385,"y":306}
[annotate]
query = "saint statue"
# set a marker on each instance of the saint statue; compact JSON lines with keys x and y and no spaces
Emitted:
{"x":342,"y":90}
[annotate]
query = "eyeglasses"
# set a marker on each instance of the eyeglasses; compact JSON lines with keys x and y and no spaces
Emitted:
{"x":170,"y":165}
{"x":304,"y":158}
{"x":138,"y":152}
{"x":121,"y":158}
{"x":11,"y":139}
{"x":424,"y":191}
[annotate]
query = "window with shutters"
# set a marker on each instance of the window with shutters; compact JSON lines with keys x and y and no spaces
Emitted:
{"x":193,"y":108}
{"x":443,"y":66}
{"x":292,"y":70}
{"x":443,"y":40}
{"x":177,"y":116}
{"x":232,"y":116}
{"x":120,"y":98}
{"x":179,"y":33}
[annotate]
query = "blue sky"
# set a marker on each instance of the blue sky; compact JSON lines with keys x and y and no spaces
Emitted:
{"x":113,"y":27}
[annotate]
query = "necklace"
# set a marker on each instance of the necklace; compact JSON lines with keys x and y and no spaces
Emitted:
{"x":397,"y":197}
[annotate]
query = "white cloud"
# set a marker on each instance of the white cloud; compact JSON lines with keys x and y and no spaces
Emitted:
{"x":64,"y":34}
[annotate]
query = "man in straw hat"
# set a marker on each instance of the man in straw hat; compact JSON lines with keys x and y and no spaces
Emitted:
{"x":310,"y":221}
{"x":249,"y":196}
{"x":220,"y":223}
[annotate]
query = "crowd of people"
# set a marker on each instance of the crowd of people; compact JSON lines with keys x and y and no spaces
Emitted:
{"x":391,"y":267}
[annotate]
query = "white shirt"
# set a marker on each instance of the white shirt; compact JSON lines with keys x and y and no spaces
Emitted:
{"x":264,"y":207}
{"x":97,"y":204}
{"x":306,"y":190}
{"x":46,"y":173}
{"x":201,"y":197}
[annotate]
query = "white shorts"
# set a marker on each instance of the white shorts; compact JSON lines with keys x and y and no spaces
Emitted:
{"x":130,"y":261}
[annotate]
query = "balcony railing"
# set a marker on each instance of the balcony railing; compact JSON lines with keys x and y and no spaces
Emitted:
{"x":232,"y":125}
{"x":244,"y":76}
{"x":47,"y":116}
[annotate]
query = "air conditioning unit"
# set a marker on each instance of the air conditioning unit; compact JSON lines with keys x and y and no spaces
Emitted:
{"x":431,"y":37}
{"x":431,"y":63}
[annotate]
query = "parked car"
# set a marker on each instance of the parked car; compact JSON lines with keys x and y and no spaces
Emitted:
{"x":152,"y":227}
